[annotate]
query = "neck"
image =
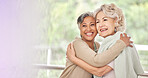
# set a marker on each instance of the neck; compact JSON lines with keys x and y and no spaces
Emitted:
{"x":90,"y":44}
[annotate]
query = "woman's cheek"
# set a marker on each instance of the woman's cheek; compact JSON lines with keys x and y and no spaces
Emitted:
{"x":97,"y":27}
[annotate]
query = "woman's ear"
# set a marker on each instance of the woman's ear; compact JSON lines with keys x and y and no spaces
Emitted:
{"x":115,"y":20}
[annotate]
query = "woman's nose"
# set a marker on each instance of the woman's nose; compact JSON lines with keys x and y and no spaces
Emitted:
{"x":101,"y":24}
{"x":88,"y":28}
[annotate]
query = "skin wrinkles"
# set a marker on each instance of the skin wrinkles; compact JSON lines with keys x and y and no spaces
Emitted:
{"x":105,"y":25}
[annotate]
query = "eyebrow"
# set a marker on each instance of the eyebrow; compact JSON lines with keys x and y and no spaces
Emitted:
{"x":92,"y":22}
{"x":104,"y":17}
{"x":83,"y":23}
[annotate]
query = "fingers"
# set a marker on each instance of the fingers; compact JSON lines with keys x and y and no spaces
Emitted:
{"x":125,"y":34}
{"x":68,"y":47}
{"x":130,"y":45}
{"x":71,"y":45}
{"x":121,"y":35}
{"x":131,"y":41}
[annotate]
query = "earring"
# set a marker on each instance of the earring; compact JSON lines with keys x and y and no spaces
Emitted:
{"x":115,"y":30}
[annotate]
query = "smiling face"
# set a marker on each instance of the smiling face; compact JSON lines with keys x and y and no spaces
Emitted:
{"x":88,"y":29}
{"x":105,"y":25}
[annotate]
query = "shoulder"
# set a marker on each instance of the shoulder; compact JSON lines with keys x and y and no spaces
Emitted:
{"x":79,"y":42}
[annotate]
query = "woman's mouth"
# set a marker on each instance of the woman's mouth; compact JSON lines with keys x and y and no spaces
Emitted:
{"x":103,"y":29}
{"x":89,"y":34}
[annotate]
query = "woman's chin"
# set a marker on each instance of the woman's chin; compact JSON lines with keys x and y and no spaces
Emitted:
{"x":103,"y":36}
{"x":89,"y":39}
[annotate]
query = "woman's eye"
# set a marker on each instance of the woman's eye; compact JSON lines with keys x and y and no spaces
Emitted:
{"x":92,"y":24}
{"x":105,"y":19}
{"x":97,"y":22}
{"x":83,"y":25}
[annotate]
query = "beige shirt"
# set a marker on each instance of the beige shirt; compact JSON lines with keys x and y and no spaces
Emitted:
{"x":88,"y":55}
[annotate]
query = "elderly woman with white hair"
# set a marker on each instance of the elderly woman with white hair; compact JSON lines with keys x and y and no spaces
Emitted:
{"x":110,"y":24}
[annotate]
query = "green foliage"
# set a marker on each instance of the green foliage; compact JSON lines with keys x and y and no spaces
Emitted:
{"x":137,"y":24}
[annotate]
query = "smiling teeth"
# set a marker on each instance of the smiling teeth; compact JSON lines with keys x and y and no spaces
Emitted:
{"x":103,"y":29}
{"x":88,"y":33}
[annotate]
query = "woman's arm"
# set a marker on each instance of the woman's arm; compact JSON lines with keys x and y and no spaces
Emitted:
{"x":100,"y":71}
{"x":88,"y":55}
{"x":91,"y":69}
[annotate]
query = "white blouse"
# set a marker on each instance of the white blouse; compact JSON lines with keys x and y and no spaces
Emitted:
{"x":110,"y":74}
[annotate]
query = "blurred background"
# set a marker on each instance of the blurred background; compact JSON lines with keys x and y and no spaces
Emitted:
{"x":59,"y":28}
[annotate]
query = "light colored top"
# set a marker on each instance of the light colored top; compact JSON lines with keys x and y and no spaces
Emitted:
{"x":127,"y":64}
{"x":88,"y":55}
{"x":110,"y":74}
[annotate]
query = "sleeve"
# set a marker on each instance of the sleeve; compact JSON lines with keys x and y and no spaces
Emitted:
{"x":111,"y":64}
{"x":98,"y":60}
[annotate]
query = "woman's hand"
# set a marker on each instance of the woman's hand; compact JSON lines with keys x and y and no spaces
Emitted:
{"x":126,"y":39}
{"x":70,"y":52}
{"x":102,"y":70}
{"x":99,"y":71}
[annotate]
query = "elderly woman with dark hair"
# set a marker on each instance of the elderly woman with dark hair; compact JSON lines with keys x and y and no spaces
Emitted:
{"x":110,"y":24}
{"x":86,"y":48}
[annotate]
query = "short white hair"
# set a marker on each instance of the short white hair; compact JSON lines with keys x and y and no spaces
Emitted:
{"x":112,"y":11}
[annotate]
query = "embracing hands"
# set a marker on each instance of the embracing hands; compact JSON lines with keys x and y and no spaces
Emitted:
{"x":126,"y":39}
{"x":70,"y":52}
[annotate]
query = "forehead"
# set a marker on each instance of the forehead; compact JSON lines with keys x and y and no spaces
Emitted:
{"x":89,"y":19}
{"x":100,"y":15}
